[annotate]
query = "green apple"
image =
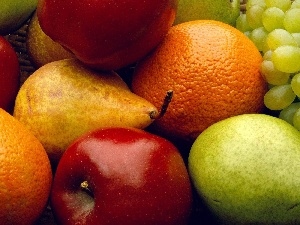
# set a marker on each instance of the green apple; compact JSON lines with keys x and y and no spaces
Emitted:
{"x":225,"y":11}
{"x":13,"y":13}
{"x":247,"y":170}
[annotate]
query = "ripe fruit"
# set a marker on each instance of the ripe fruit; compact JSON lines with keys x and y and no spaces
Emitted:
{"x":13,"y":13}
{"x":41,"y":48}
{"x":226,"y":11}
{"x":9,"y":75}
{"x":212,"y":78}
{"x":278,"y":39}
{"x":246,"y":169}
{"x":107,"y":35}
{"x":121,"y":176}
{"x":25,"y":174}
{"x":62,"y":100}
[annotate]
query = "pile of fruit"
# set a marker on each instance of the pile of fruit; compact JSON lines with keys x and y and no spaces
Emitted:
{"x":149,"y":112}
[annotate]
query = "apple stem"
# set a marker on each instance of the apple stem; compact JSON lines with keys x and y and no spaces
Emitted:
{"x":85,"y":187}
{"x":165,"y":105}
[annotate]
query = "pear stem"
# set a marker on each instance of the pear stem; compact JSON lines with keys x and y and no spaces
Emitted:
{"x":165,"y":105}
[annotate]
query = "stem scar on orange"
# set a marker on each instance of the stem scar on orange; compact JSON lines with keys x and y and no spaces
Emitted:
{"x":213,"y":70}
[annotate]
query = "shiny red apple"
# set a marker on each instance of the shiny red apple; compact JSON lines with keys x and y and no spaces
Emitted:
{"x":107,"y":34}
{"x":121,"y":176}
{"x":9,"y":75}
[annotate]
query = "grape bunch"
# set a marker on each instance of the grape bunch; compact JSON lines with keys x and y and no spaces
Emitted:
{"x":274,"y":27}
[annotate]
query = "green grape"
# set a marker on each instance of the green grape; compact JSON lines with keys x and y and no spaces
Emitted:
{"x":280,"y":37}
{"x":279,"y":97}
{"x":296,"y":36}
{"x":287,"y":59}
{"x":295,"y":83}
{"x":295,"y":4}
{"x":288,"y":113}
{"x":272,"y":75}
{"x":266,"y":47}
{"x":272,"y":18}
{"x":271,"y":86}
{"x":251,"y":3}
{"x":247,"y":33}
{"x":254,"y":15}
{"x":282,"y":4}
{"x":291,"y":20}
{"x":268,"y":55}
{"x":296,"y":119}
{"x":258,"y":37}
{"x":242,"y":23}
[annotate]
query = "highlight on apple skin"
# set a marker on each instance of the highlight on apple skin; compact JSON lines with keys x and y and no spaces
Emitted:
{"x":121,"y":176}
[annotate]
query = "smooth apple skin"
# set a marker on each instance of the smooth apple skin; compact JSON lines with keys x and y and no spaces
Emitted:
{"x":136,"y":178}
{"x":9,"y":75}
{"x":107,"y":35}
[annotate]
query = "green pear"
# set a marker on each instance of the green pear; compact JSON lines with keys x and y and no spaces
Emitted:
{"x":226,"y":11}
{"x":247,"y":170}
{"x":13,"y":13}
{"x":63,"y":99}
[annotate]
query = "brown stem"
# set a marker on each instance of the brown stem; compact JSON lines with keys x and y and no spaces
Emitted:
{"x":85,"y":187}
{"x":165,"y":105}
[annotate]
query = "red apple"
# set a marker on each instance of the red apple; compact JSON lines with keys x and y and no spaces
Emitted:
{"x":121,"y":176}
{"x":9,"y":75}
{"x":107,"y":34}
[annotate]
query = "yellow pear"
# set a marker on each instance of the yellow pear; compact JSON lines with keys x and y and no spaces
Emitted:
{"x":63,"y":99}
{"x":41,"y":48}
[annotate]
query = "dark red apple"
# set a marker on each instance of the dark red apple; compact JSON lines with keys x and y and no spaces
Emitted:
{"x":107,"y":34}
{"x":121,"y":176}
{"x":9,"y":75}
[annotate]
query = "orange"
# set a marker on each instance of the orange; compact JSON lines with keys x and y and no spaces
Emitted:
{"x":213,"y":70}
{"x":25,"y":174}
